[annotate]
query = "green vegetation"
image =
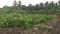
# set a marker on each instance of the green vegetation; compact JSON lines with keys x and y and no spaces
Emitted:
{"x":22,"y":20}
{"x":19,"y":15}
{"x":41,"y":8}
{"x":51,"y":8}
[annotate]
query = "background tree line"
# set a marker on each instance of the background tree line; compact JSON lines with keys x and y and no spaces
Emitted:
{"x":41,"y":8}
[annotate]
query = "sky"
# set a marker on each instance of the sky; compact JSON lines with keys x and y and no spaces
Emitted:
{"x":24,"y":2}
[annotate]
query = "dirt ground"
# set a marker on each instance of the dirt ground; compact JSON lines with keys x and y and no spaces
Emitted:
{"x":19,"y":31}
{"x":22,"y":31}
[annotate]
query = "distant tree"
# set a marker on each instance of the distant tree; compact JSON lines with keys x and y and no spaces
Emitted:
{"x":45,"y":8}
{"x":15,"y":3}
{"x":52,"y":7}
{"x":14,"y":6}
{"x":46,"y":4}
{"x":23,"y":7}
{"x":37,"y":7}
{"x":59,"y":2}
{"x":41,"y":5}
{"x":56,"y":7}
{"x":51,"y":4}
{"x":19,"y":4}
{"x":6,"y":7}
{"x":29,"y":7}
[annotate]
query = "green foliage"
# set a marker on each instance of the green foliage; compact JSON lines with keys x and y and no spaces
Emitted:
{"x":27,"y":16}
{"x":22,"y":20}
{"x":41,"y":8}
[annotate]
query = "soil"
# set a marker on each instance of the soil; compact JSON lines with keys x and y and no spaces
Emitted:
{"x":19,"y":31}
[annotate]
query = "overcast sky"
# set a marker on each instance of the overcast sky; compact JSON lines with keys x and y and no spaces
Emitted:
{"x":24,"y":2}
